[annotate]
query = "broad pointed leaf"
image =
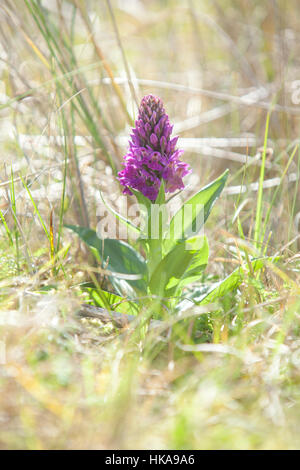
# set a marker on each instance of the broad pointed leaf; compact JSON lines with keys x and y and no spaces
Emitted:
{"x":122,"y":258}
{"x":188,"y":219}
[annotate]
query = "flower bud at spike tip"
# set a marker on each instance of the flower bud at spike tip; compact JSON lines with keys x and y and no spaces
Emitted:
{"x":152,"y":156}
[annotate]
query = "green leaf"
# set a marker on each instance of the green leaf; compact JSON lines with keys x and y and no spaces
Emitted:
{"x":141,"y":198}
{"x":145,"y":208}
{"x":181,"y":266}
{"x":123,"y":258}
{"x":161,"y":197}
{"x":199,"y":260}
{"x":181,"y":226}
{"x":171,"y":268}
{"x":151,"y":211}
{"x":231,"y":282}
{"x":113,"y":302}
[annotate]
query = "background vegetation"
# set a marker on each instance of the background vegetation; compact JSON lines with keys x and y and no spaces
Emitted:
{"x":71,"y":74}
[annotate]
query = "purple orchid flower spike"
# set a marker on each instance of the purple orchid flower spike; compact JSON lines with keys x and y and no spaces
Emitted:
{"x":152,"y":155}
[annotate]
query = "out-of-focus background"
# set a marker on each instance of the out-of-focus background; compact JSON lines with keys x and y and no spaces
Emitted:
{"x":71,"y":76}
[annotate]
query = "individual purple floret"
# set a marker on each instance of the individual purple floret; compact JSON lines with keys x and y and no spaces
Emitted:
{"x":152,"y":155}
